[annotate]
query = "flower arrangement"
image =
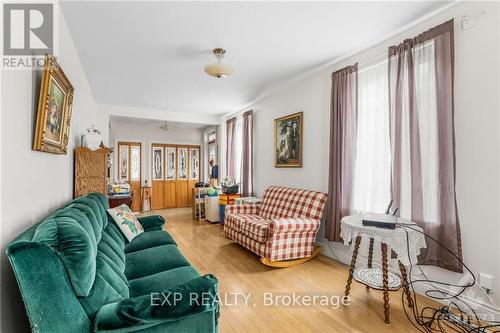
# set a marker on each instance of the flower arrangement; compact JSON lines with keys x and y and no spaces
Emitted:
{"x":229,"y":185}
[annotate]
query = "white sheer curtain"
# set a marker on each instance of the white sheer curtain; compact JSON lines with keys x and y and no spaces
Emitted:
{"x":238,"y":157}
{"x":425,"y":107}
{"x":372,"y":173}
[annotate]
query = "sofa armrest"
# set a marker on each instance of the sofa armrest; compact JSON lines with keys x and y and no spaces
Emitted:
{"x":293,"y":224}
{"x":243,"y":209}
{"x":152,"y":222}
{"x":195,"y":296}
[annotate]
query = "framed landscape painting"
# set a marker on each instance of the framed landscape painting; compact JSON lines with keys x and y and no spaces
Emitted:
{"x":288,"y":133}
{"x":54,"y":110}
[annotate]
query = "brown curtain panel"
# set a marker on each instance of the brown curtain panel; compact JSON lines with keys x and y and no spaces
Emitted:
{"x":423,"y":140}
{"x":230,"y":147}
{"x":247,"y":158}
{"x":343,"y":132}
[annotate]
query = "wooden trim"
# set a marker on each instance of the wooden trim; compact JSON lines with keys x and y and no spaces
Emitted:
{"x":289,"y":263}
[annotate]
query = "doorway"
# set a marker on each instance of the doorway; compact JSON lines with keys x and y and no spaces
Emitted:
{"x":175,"y":170}
{"x":129,"y":169}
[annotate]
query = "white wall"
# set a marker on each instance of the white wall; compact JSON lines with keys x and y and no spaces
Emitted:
{"x":34,"y":183}
{"x":147,"y":133}
{"x":477,"y":126}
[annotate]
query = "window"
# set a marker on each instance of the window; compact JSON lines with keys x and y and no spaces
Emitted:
{"x":372,"y":175}
{"x":212,"y":148}
{"x":371,"y":192}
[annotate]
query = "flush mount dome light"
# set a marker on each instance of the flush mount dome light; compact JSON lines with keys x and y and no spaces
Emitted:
{"x":219,"y":70}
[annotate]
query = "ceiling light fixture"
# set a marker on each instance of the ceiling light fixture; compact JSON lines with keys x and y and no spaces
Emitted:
{"x":219,"y":70}
{"x":165,"y":126}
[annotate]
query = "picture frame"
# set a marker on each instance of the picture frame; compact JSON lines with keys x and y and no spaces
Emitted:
{"x":54,"y":110}
{"x":288,"y":134}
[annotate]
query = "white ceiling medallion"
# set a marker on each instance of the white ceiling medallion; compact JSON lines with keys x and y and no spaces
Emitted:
{"x":219,"y":70}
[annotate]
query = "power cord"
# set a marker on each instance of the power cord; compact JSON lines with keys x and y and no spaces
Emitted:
{"x":458,"y":315}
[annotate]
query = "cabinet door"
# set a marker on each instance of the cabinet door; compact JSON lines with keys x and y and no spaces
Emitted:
{"x":91,"y":171}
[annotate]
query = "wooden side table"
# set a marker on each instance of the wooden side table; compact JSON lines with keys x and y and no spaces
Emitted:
{"x":146,"y":198}
{"x":119,"y":200}
{"x":380,"y":278}
{"x":370,"y":276}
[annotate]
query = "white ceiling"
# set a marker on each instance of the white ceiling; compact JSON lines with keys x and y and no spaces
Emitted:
{"x":152,"y":122}
{"x":152,"y":54}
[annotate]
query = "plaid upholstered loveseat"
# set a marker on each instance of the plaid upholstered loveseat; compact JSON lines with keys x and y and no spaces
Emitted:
{"x":282,"y":227}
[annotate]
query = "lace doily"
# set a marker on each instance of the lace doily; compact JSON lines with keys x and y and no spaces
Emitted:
{"x":396,"y":239}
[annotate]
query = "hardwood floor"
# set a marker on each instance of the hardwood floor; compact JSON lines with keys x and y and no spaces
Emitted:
{"x":239,"y":271}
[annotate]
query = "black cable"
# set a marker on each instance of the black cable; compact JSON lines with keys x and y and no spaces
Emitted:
{"x":453,"y":316}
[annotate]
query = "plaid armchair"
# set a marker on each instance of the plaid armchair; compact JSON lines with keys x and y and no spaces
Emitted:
{"x":282,"y":227}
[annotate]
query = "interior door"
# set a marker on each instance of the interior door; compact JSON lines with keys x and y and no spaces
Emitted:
{"x":157,"y":173}
{"x":181,"y":183}
{"x":169,"y":195}
{"x":129,"y":169}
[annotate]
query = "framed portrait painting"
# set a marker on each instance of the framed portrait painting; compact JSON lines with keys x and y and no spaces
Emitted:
{"x":288,"y":131}
{"x":54,"y":110}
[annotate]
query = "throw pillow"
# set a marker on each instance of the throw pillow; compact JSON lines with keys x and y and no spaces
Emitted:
{"x":126,"y":220}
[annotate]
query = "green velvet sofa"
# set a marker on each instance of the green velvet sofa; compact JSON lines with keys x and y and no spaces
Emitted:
{"x":78,"y":273}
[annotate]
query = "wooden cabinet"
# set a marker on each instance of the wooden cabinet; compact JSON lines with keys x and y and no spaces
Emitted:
{"x":91,"y":171}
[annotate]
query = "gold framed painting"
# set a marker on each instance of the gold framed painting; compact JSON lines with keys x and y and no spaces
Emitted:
{"x":54,"y":110}
{"x":288,"y":131}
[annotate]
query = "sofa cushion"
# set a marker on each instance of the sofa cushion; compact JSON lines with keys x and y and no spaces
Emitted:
{"x":257,"y":229}
{"x":278,"y":202}
{"x":253,"y":226}
{"x":153,"y":260}
{"x":162,"y":281}
{"x":69,"y":233}
{"x":149,"y":239}
{"x":101,"y":293}
{"x":126,"y":221}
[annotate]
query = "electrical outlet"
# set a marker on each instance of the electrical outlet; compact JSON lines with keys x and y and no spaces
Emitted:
{"x":486,"y":281}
